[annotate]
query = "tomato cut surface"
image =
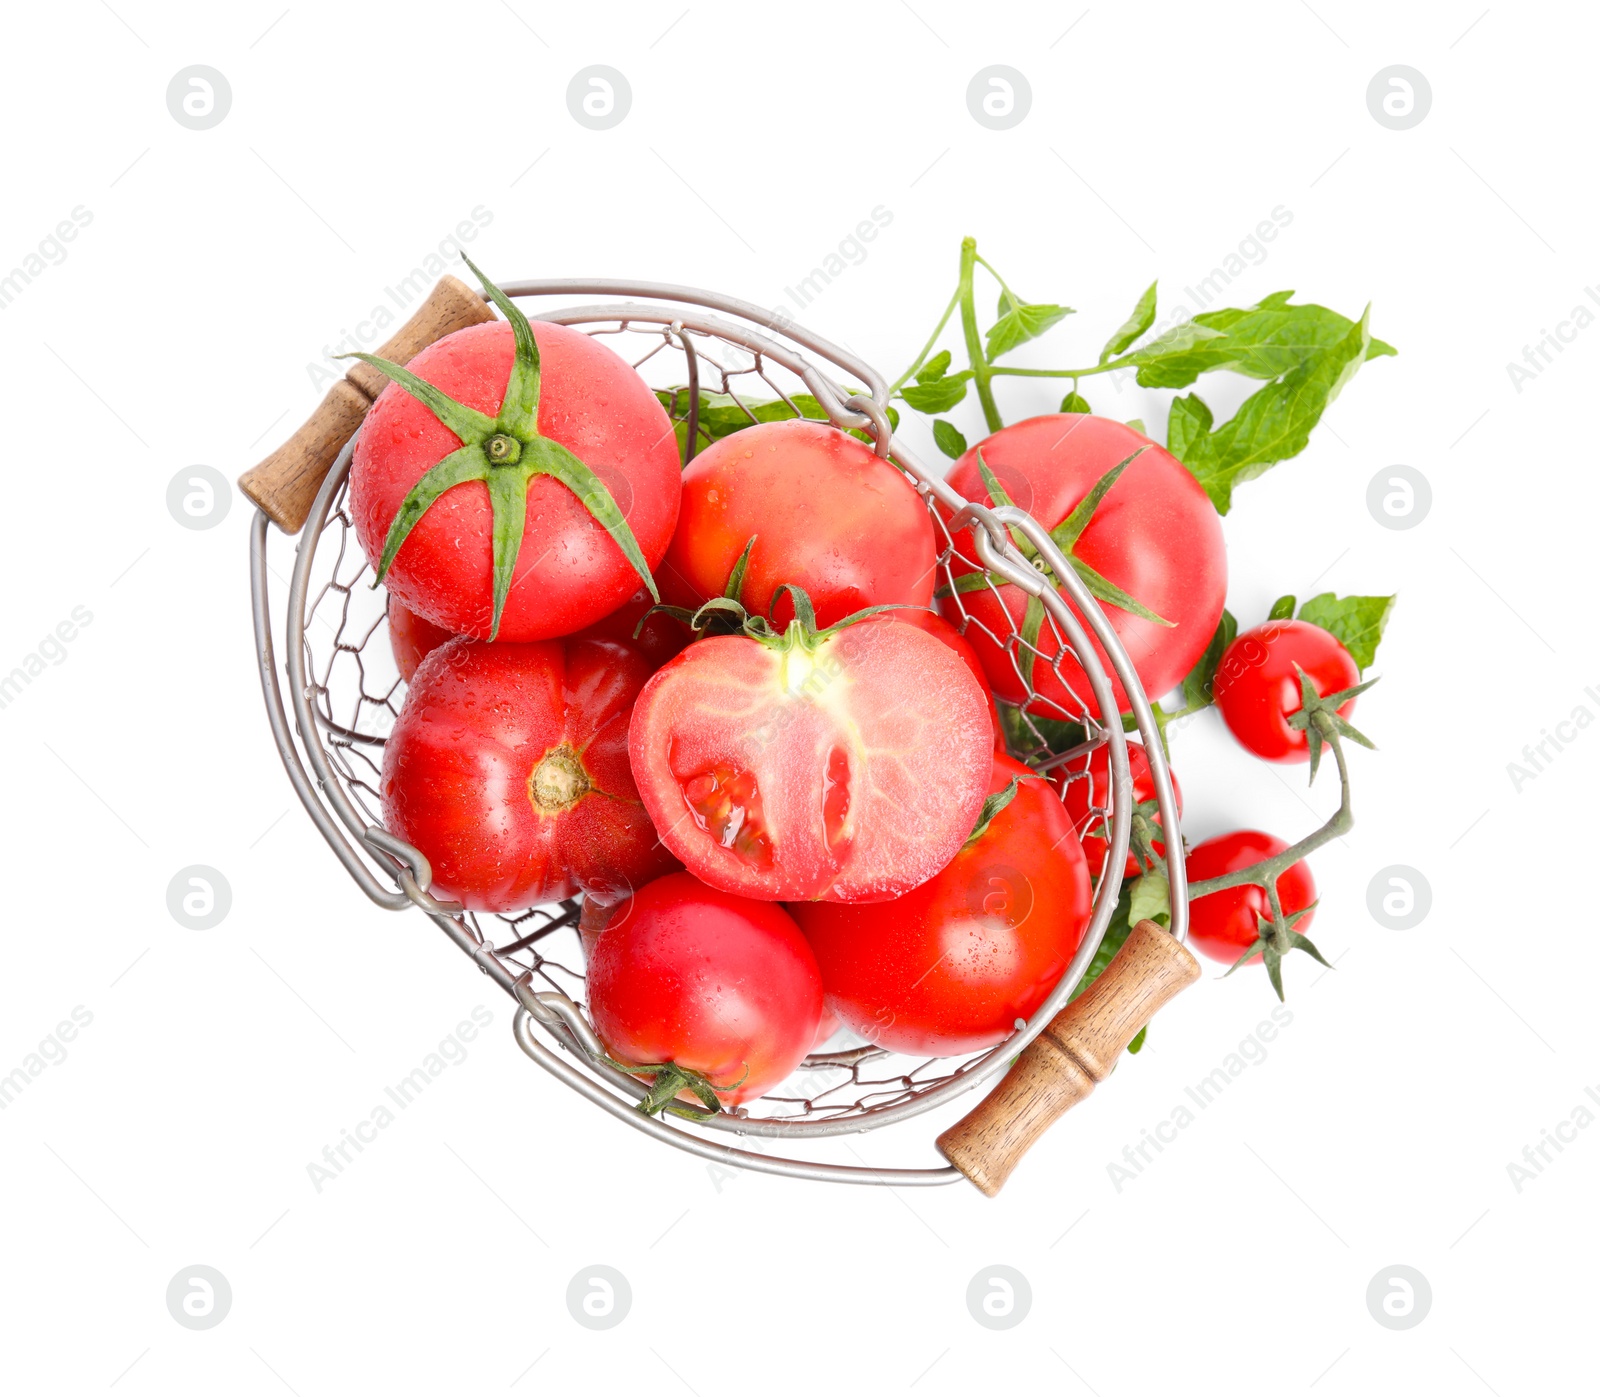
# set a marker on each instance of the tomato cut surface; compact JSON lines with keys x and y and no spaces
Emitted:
{"x":848,"y":770}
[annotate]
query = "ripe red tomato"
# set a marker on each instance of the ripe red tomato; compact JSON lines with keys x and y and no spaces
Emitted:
{"x":569,"y":571}
{"x":942,"y":631}
{"x":659,"y":639}
{"x":1226,"y":924}
{"x":411,"y":638}
{"x":1257,"y":688}
{"x":848,"y":767}
{"x":949,"y":967}
{"x":1085,"y":786}
{"x":716,"y":985}
{"x":508,"y":768}
{"x":826,"y":514}
{"x":1155,"y":535}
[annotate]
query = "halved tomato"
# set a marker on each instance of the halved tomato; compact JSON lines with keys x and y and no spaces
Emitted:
{"x":846,"y":765}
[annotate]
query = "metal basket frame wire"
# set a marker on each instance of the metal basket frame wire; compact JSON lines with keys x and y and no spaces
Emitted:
{"x":396,"y":875}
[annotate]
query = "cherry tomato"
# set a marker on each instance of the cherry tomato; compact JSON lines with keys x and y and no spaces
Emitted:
{"x":715,"y":984}
{"x":942,"y":631}
{"x":949,"y":967}
{"x":848,"y":767}
{"x":508,"y":768}
{"x":826,"y":514}
{"x":1225,"y":924}
{"x":411,"y":638}
{"x":1085,"y":786}
{"x":569,"y":571}
{"x":1155,"y":535}
{"x":1257,"y":688}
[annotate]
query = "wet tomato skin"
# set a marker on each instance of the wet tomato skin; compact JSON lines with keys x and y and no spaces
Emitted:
{"x":849,"y":772}
{"x":826,"y":513}
{"x":1085,"y":783}
{"x":1224,"y":925}
{"x":1155,"y":534}
{"x":950,"y":966}
{"x":570,"y":573}
{"x":1257,"y":688}
{"x":412,"y":638}
{"x":508,"y":768}
{"x":716,"y":983}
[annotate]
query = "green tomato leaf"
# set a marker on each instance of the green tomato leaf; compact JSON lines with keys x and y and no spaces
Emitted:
{"x":1198,"y":684}
{"x":1357,"y":622}
{"x":1075,"y":402}
{"x":1116,"y":933}
{"x":1019,"y":325}
{"x":1143,"y":317}
{"x":948,"y":439}
{"x":939,"y":394}
{"x":1137,"y":423}
{"x":721,"y":415}
{"x":1273,"y":424}
{"x":1282,"y":609}
{"x":1150,"y":898}
{"x":1138,"y":1040}
{"x":1268,"y":340}
{"x":935,"y":367}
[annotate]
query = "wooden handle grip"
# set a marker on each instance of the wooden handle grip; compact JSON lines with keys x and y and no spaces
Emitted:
{"x":1070,"y":1058}
{"x":286,"y":482}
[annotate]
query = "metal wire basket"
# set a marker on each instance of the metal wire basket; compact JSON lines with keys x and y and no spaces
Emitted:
{"x":344,"y":694}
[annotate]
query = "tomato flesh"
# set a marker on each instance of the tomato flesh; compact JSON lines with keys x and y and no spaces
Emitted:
{"x":508,"y":768}
{"x":950,"y":966}
{"x":851,"y":771}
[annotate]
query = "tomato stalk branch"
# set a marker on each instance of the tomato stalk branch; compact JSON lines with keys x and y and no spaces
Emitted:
{"x":982,"y":369}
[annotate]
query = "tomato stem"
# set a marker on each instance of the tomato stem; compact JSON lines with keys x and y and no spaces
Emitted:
{"x":933,"y":339}
{"x":1266,"y":873}
{"x":982,"y":370}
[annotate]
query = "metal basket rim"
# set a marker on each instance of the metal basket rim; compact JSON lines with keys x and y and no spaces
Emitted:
{"x":408,"y":870}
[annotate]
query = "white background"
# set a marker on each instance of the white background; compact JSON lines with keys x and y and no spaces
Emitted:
{"x":1379,"y":1127}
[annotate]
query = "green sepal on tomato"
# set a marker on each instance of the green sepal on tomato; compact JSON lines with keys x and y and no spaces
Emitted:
{"x":515,"y":481}
{"x":1150,"y":547}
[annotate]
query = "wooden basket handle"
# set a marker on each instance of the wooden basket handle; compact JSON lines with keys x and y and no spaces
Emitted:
{"x":1074,"y":1053}
{"x":286,"y":482}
